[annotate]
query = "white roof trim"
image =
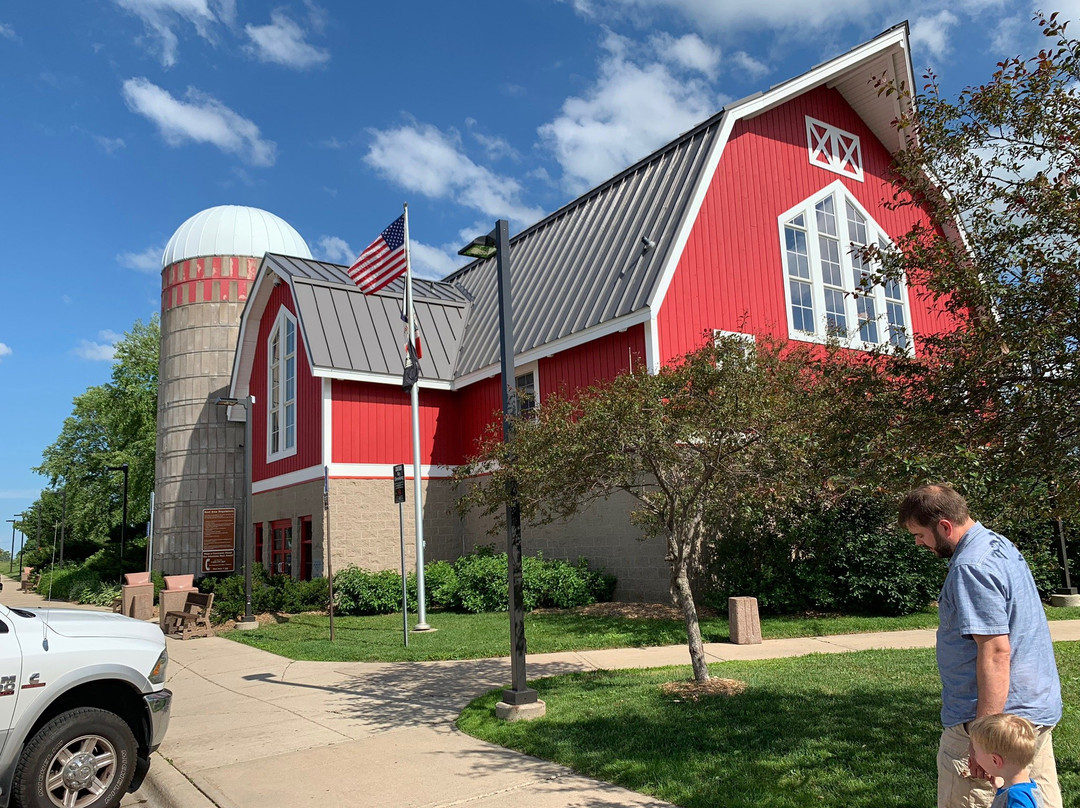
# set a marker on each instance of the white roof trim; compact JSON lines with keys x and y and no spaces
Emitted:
{"x":376,"y":378}
{"x":556,"y":346}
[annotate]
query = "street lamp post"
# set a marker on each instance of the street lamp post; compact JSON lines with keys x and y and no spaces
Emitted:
{"x":11,"y":560}
{"x":248,"y":404}
{"x":520,"y":701}
{"x":123,"y":524}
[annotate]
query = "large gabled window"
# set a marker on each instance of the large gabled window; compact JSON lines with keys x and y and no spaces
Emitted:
{"x":829,"y":288}
{"x":281,"y":388}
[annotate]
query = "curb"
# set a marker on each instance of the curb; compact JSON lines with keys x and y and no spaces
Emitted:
{"x":166,"y":787}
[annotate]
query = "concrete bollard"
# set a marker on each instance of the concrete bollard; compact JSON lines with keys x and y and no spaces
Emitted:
{"x":744,"y":625}
{"x":137,"y":596}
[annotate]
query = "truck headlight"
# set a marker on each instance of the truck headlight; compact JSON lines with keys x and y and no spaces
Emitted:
{"x":157,"y":675}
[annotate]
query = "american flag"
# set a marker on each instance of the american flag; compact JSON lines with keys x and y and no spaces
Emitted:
{"x":383,"y":260}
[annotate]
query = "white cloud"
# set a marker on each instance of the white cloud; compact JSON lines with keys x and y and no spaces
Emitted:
{"x":930,"y":35}
{"x":688,"y":52}
{"x":109,"y":145}
{"x":102,"y":351}
{"x":7,"y":31}
{"x":423,"y":159}
{"x":743,"y":62}
{"x":282,"y":42}
{"x":162,"y":17}
{"x":494,"y":147}
{"x":149,"y":260}
{"x":633,"y":108}
{"x":434,"y":262}
{"x":199,"y":118}
{"x":4,"y":350}
{"x":737,"y":15}
{"x":335,"y":250}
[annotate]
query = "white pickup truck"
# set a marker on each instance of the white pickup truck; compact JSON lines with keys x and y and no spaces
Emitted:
{"x":82,"y":706}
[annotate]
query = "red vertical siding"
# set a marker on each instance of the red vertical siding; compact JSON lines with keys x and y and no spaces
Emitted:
{"x":595,"y":361}
{"x":308,"y":399}
{"x":372,"y":423}
{"x":731,"y":273}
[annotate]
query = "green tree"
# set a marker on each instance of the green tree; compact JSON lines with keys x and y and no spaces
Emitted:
{"x":110,"y":424}
{"x":993,"y":399}
{"x":731,"y":424}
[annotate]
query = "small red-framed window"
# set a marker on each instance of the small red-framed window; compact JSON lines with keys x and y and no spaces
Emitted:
{"x":281,"y":547}
{"x":258,"y":543}
{"x":305,"y":548}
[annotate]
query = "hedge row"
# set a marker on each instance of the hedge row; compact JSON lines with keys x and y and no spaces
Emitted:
{"x":474,"y":583}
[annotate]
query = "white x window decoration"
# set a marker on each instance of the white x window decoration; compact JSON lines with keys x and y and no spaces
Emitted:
{"x":834,"y":149}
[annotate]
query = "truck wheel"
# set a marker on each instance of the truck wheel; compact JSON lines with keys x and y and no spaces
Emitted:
{"x":84,"y":758}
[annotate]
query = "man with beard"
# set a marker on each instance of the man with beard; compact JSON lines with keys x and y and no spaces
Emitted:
{"x":994,"y":651}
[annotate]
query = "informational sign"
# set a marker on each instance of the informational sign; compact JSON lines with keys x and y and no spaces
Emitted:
{"x":399,"y":483}
{"x":219,"y":539}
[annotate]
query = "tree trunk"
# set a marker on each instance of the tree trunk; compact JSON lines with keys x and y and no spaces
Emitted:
{"x":684,"y":600}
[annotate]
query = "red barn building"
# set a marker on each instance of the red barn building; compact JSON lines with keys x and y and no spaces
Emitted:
{"x":743,"y":224}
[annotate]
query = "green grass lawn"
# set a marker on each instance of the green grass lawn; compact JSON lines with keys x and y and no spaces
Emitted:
{"x":476,"y":636}
{"x":857,"y":730}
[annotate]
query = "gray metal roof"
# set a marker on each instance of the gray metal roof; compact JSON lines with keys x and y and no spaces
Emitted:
{"x":346,"y":330}
{"x":585,"y":265}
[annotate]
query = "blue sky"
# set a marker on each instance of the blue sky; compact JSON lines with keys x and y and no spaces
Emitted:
{"x":119,"y":119}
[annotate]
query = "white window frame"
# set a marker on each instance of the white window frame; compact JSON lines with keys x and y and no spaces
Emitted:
{"x":534,"y":369}
{"x":875,"y":235}
{"x":826,"y":148}
{"x":278,"y":406}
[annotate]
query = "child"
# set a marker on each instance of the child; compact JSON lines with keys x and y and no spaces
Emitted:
{"x":1004,"y":745}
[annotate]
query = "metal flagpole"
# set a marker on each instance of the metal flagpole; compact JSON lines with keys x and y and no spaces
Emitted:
{"x":414,"y":392}
{"x":329,"y":556}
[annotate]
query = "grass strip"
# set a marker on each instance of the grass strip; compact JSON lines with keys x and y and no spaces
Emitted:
{"x":478,"y":636}
{"x":857,"y":730}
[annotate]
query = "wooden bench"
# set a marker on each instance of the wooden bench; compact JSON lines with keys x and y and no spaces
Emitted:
{"x":193,"y":620}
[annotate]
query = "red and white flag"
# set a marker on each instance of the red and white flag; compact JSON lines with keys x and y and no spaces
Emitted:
{"x":383,"y":260}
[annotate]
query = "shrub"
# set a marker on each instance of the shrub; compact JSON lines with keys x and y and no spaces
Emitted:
{"x":67,"y":582}
{"x":102,"y":595}
{"x":358,"y":591}
{"x":441,"y":584}
{"x":850,"y":558}
{"x":278,"y":593}
{"x":481,"y":581}
{"x":304,"y":596}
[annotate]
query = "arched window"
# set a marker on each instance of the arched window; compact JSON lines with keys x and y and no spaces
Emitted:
{"x":828,"y":286}
{"x":281,"y":388}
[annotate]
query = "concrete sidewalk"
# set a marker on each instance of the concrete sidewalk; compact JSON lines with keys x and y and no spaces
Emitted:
{"x":250,"y":728}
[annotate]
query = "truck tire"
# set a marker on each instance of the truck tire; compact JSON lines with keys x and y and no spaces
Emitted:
{"x":84,"y":758}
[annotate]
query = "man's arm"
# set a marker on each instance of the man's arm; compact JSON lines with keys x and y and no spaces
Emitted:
{"x":992,"y":675}
{"x":992,"y":672}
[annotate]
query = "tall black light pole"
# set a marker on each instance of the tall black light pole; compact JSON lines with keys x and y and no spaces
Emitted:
{"x":12,"y":558}
{"x":519,"y":694}
{"x":248,"y":404}
{"x":123,"y":525}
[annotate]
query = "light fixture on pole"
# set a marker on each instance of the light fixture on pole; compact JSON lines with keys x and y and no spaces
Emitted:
{"x":123,"y":523}
{"x":248,"y":403}
{"x":520,"y":701}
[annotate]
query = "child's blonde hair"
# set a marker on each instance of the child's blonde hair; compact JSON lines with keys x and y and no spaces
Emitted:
{"x":1007,"y":735}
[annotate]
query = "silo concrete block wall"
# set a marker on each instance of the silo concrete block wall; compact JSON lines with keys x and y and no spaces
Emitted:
{"x":200,"y":459}
{"x":208,"y":265}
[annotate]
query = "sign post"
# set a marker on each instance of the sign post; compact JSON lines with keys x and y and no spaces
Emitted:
{"x":399,"y":498}
{"x":219,"y":540}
